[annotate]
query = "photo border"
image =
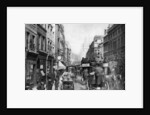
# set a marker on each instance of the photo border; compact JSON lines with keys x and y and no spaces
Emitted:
{"x":42,"y":4}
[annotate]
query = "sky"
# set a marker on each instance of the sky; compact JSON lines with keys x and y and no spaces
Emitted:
{"x":82,"y":34}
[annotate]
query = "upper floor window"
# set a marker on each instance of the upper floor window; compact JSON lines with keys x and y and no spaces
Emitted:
{"x":114,"y":45}
{"x":27,"y":39}
{"x":48,"y":45}
{"x":44,"y":44}
{"x":32,"y":44}
{"x":40,"y":42}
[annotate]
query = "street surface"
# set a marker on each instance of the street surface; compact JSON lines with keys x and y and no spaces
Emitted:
{"x":78,"y":85}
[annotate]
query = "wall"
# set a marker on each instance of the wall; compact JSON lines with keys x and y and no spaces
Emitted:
{"x":114,"y":42}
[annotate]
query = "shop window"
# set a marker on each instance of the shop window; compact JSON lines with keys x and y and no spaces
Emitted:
{"x":48,"y":45}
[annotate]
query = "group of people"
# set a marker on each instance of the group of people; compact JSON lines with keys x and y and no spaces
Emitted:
{"x":95,"y":77}
{"x":43,"y":81}
{"x":98,"y":78}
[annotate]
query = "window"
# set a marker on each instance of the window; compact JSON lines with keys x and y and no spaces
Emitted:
{"x":40,"y":42}
{"x":44,"y":45}
{"x":27,"y":39}
{"x":114,"y":45}
{"x":32,"y":45}
{"x":48,"y":45}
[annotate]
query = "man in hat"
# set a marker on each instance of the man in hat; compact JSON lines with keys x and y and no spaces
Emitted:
{"x":99,"y":73}
{"x":43,"y":77}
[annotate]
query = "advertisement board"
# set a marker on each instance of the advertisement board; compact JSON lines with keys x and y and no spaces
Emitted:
{"x":86,"y":65}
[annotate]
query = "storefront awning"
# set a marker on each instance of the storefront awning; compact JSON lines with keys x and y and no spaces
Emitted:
{"x":61,"y":65}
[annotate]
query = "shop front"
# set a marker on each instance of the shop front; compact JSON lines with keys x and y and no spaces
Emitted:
{"x":41,"y":65}
{"x":30,"y":69}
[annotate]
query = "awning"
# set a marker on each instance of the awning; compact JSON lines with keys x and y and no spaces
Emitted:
{"x":61,"y":65}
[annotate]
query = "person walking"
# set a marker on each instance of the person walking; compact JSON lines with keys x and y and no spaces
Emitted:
{"x":91,"y":79}
{"x":57,"y":79}
{"x":99,"y":73}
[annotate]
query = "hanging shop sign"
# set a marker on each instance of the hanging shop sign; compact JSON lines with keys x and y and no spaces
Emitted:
{"x":43,"y":74}
{"x":41,"y":66}
{"x":105,"y":65}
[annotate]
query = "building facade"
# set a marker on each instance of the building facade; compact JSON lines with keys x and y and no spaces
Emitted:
{"x":90,"y":53}
{"x":114,"y":42}
{"x":39,"y":50}
{"x":68,"y":53}
{"x":31,"y":53}
{"x":50,"y":47}
{"x":42,"y":47}
{"x":59,"y":43}
{"x":98,"y":48}
{"x":95,"y":51}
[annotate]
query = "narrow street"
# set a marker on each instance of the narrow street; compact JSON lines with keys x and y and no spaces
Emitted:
{"x":58,"y":57}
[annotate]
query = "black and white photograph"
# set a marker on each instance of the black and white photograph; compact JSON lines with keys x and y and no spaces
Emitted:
{"x":84,"y":56}
{"x":76,"y":57}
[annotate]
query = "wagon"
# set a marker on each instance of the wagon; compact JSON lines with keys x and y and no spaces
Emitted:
{"x":67,"y":85}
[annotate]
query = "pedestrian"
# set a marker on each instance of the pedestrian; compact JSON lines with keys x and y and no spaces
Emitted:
{"x":91,"y":78}
{"x":50,"y":79}
{"x":57,"y":75}
{"x":98,"y":75}
{"x":85,"y":74}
